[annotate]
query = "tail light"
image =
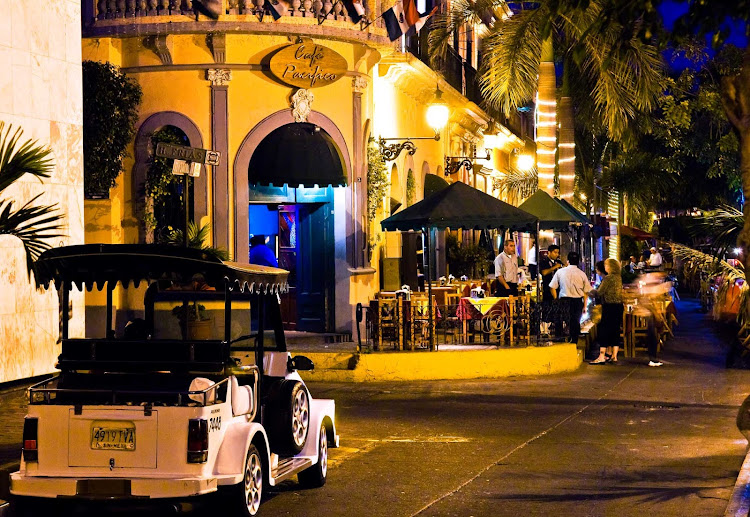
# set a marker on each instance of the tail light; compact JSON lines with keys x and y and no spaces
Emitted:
{"x":30,"y":445}
{"x":197,"y":446}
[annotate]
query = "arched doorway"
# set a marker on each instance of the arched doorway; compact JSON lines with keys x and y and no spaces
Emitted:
{"x":143,"y":155}
{"x":291,"y":175}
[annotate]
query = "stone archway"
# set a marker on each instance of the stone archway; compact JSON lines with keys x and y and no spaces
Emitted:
{"x":242,"y":163}
{"x":142,"y":154}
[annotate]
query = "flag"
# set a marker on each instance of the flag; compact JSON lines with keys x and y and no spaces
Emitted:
{"x":395,"y":21}
{"x":423,"y":19}
{"x":210,"y":8}
{"x":402,"y":16}
{"x":355,"y":9}
{"x":277,"y":8}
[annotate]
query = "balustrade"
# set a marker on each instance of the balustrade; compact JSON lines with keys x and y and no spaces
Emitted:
{"x":318,"y":9}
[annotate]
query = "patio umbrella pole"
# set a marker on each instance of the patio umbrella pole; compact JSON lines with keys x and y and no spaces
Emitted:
{"x":538,"y":288}
{"x":426,"y":234}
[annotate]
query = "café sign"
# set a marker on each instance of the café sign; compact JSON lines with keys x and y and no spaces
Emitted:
{"x":307,"y":65}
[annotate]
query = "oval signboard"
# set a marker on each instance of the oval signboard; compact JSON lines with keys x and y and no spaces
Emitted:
{"x":308,"y":65}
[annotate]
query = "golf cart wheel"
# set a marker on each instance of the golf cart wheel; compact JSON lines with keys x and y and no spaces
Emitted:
{"x":289,"y":417}
{"x":315,"y":476}
{"x":246,"y":495}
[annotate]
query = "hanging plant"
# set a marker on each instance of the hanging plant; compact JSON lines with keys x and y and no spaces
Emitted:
{"x":411,"y":188}
{"x":377,"y":179}
{"x":161,"y":186}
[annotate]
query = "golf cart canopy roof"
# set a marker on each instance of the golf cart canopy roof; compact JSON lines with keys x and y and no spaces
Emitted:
{"x":98,"y":264}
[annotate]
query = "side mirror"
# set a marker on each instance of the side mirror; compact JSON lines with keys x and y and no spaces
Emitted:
{"x":300,"y":362}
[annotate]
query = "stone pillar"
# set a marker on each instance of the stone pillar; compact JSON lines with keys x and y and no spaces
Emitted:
{"x":220,"y":78}
{"x":358,"y":244}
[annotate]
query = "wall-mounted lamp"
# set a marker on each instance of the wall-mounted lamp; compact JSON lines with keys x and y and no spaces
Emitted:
{"x":437,"y":118}
{"x":453,"y":164}
{"x":524,"y":162}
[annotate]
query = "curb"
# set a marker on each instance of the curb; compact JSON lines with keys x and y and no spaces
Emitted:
{"x":739,"y":502}
{"x":452,"y":365}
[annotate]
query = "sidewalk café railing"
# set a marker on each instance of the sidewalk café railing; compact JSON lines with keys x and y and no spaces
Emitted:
{"x":398,"y":323}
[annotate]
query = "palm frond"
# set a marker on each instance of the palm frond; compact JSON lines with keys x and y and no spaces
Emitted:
{"x":511,"y":60}
{"x":33,"y":225}
{"x":718,"y":268}
{"x":517,"y":185}
{"x":723,"y":225}
{"x":462,"y":12}
{"x":197,"y":238}
{"x":17,"y":159}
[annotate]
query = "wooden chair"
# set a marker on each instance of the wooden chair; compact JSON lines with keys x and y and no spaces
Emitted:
{"x":451,"y":321}
{"x":419,"y":331}
{"x":520,"y":317}
{"x":390,"y":323}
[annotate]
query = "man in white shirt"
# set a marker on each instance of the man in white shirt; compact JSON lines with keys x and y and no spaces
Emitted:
{"x":506,"y":270}
{"x":573,"y":285}
{"x":531,"y":259}
{"x":655,"y":259}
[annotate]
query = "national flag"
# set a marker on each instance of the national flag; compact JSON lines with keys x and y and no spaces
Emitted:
{"x":210,"y":8}
{"x":355,"y":9}
{"x":395,"y":21}
{"x":402,"y":16}
{"x":423,"y":19}
{"x":277,"y":8}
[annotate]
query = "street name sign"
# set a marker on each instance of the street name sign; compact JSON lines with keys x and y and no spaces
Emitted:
{"x":188,"y":154}
{"x":181,"y":167}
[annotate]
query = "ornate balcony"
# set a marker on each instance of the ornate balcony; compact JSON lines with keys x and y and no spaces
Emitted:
{"x":313,"y":18}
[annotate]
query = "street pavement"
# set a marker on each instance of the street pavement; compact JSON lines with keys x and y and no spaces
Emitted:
{"x":623,"y":440}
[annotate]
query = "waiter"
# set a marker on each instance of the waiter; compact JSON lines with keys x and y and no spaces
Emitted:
{"x":506,"y":270}
{"x":548,"y":265}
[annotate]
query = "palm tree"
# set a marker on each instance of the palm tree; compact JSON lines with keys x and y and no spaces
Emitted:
{"x":621,"y":72}
{"x":33,"y":225}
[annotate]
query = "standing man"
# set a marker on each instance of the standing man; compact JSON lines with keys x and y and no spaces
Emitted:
{"x":655,"y":260}
{"x":574,"y":286}
{"x":506,"y":270}
{"x":548,"y":265}
{"x":531,"y":259}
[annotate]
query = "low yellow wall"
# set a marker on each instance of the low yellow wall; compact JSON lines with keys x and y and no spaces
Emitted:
{"x":470,"y":364}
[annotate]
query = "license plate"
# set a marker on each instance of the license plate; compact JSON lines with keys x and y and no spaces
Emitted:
{"x":113,"y":438}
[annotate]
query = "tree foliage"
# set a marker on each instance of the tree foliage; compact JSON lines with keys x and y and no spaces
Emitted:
{"x":619,"y":70}
{"x":110,"y":112}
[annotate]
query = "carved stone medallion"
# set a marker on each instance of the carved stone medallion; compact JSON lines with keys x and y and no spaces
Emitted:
{"x":302,"y":104}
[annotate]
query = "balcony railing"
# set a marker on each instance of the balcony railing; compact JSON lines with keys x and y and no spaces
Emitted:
{"x":113,"y":9}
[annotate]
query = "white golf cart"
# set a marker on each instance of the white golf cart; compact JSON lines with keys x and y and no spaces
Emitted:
{"x":160,"y":409}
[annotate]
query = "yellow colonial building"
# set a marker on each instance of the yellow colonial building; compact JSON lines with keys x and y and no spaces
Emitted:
{"x":290,"y":104}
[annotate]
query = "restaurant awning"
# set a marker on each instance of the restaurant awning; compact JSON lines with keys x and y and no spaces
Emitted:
{"x":297,"y":154}
{"x":552,"y":213}
{"x":460,"y":206}
{"x":636,"y":233}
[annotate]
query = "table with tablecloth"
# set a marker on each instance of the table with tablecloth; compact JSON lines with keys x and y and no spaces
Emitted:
{"x":493,"y":312}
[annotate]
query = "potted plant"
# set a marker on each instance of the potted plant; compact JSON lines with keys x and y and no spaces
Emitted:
{"x":198,"y":321}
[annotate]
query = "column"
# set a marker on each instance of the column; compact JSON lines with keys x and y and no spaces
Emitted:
{"x":358,"y":257}
{"x":221,"y":223}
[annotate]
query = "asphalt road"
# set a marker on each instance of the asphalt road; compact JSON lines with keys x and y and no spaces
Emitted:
{"x":622,"y":440}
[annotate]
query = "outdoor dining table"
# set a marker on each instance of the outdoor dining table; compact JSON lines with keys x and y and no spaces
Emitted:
{"x":631,"y":328}
{"x":492,"y":311}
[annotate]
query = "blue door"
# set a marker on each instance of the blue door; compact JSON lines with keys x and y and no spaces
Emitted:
{"x":315,"y":267}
